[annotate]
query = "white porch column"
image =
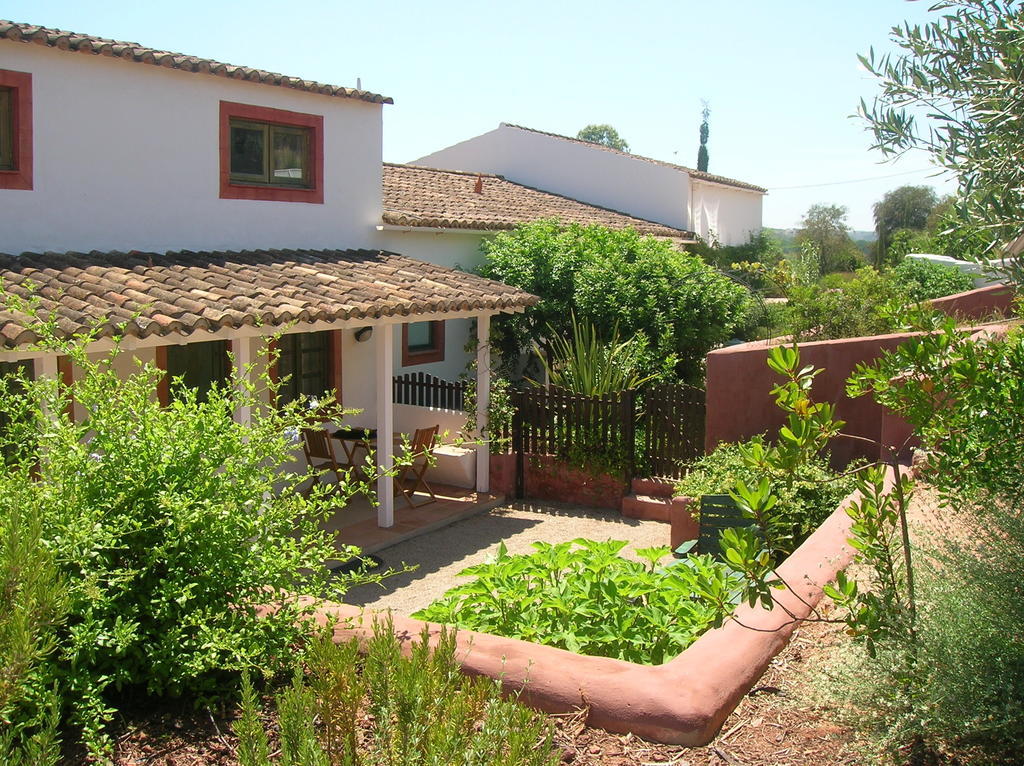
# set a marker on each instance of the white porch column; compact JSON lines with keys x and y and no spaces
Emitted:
{"x":46,"y":367}
{"x":244,"y":353}
{"x":384,"y":342}
{"x":483,"y":401}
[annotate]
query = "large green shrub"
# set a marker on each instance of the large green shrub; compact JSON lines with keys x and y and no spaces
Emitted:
{"x":946,"y":679}
{"x":169,"y":527}
{"x":855,"y":309}
{"x":583,"y":596}
{"x":762,"y":247}
{"x":610,"y":278}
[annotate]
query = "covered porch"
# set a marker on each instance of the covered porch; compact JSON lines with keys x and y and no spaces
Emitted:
{"x":226,"y":309}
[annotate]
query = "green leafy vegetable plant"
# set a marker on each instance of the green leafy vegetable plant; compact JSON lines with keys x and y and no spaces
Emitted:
{"x":585,"y":597}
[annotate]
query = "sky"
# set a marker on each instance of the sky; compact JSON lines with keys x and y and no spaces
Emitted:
{"x":781,"y":77}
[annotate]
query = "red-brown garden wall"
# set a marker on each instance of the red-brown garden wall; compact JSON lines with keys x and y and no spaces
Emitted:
{"x":977,"y":304}
{"x":739,"y":383}
{"x":740,"y":404}
{"x":547,"y":478}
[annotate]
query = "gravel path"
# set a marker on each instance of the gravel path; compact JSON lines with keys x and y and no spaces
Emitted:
{"x":441,"y":555}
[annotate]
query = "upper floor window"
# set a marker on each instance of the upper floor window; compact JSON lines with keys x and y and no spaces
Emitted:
{"x":275,"y":155}
{"x":6,"y":130}
{"x":15,"y":130}
{"x":270,"y":154}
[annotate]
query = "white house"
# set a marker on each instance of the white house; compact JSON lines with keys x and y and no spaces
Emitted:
{"x":714,"y":207}
{"x":197,"y":207}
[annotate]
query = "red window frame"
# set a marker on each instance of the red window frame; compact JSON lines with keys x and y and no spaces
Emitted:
{"x":424,"y":356}
{"x":232,"y":190}
{"x":20,"y":84}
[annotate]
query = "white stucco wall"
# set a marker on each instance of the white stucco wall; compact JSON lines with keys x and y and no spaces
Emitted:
{"x":454,"y":249}
{"x":643,"y":189}
{"x":127,"y":157}
{"x":725,"y":213}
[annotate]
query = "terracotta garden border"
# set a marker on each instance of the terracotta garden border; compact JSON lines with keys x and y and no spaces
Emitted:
{"x":686,"y":700}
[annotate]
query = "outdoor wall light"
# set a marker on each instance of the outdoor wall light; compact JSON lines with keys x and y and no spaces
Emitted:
{"x":363,"y":334}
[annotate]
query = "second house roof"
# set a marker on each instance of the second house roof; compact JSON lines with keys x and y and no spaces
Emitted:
{"x":418,"y":196}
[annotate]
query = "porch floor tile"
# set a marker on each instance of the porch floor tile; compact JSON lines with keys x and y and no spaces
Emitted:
{"x":356,"y":523}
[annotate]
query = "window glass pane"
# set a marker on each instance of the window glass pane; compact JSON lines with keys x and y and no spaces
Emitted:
{"x":304,"y":358}
{"x":288,"y":160}
{"x":6,"y":129}
{"x":421,"y":336}
{"x":200,"y":365}
{"x":248,"y":144}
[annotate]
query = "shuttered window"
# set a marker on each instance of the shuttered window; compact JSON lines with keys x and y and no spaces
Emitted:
{"x":303,"y":365}
{"x":199,"y":365}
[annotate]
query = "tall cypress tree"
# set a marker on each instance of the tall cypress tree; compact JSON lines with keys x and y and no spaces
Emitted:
{"x":702,"y":153}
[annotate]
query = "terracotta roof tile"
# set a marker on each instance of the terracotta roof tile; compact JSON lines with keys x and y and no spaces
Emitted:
{"x":699,"y":174}
{"x":420,"y":196}
{"x":81,"y":43}
{"x":141,"y":294}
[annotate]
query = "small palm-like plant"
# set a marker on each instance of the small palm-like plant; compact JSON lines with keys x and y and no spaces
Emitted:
{"x":588,"y":365}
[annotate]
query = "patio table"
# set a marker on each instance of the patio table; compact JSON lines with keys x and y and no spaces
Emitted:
{"x":353,"y":440}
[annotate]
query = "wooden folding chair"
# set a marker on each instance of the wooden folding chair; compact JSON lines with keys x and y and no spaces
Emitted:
{"x":316,"y":444}
{"x":419,"y":452}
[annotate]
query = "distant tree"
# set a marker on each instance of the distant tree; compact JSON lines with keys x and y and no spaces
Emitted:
{"x":605,"y":135}
{"x":702,"y":152}
{"x":825,"y":228}
{"x":907,"y":207}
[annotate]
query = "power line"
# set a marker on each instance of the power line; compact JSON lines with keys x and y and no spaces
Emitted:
{"x":853,"y":181}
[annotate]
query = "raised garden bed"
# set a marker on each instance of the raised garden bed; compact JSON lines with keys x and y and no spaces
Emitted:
{"x":683,"y":701}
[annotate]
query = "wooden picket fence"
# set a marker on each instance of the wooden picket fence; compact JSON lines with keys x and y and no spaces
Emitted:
{"x":673,"y":428}
{"x":422,"y":390}
{"x":656,"y":431}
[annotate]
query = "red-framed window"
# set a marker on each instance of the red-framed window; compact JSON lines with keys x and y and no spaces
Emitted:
{"x":271,"y":154}
{"x":15,"y":130}
{"x":422,"y":342}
